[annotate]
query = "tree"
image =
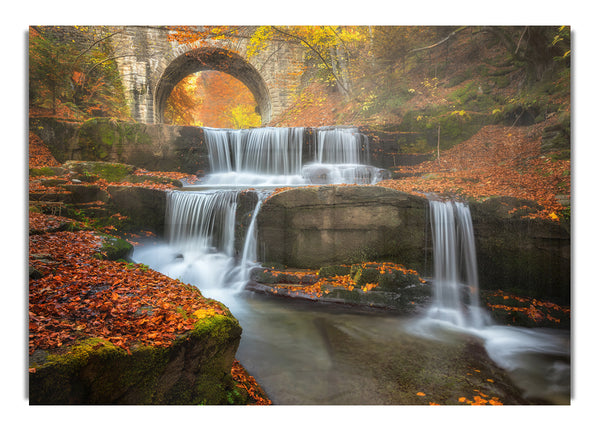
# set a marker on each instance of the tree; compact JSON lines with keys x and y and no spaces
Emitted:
{"x":330,"y":49}
{"x":535,"y":48}
{"x":212,"y":99}
{"x":72,"y":70}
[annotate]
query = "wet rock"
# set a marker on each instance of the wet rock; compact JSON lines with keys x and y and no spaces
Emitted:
{"x":196,"y":369}
{"x":314,"y":227}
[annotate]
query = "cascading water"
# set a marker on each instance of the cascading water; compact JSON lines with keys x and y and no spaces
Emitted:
{"x":341,"y":159}
{"x":200,"y":225}
{"x":274,"y":157}
{"x":264,"y":156}
{"x":537,"y":358}
{"x":200,"y":231}
{"x":455,"y":283}
{"x":201,"y":221}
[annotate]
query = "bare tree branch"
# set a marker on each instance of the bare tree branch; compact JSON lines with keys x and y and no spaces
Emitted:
{"x":440,"y":42}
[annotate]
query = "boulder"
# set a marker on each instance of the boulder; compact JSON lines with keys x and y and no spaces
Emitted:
{"x":195,"y":369}
{"x":144,"y":207}
{"x":312,"y":227}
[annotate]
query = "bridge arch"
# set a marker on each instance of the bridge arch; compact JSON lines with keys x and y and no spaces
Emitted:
{"x":212,"y":58}
{"x":150,"y":65}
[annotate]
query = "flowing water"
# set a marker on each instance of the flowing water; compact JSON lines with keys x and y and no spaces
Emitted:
{"x":308,"y":353}
{"x":537,"y":359}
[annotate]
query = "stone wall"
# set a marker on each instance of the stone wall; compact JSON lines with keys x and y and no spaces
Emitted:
{"x":156,"y":147}
{"x":528,"y":256}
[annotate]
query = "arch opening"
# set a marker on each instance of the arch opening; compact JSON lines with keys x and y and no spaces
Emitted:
{"x":212,"y":59}
{"x":212,"y":99}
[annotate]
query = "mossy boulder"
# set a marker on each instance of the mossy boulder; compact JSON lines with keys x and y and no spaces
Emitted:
{"x":112,"y":172}
{"x":114,"y":248}
{"x":334,"y":271}
{"x":195,"y":369}
{"x":362,"y":274}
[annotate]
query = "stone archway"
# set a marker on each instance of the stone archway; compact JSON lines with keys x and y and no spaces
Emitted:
{"x":218,"y":59}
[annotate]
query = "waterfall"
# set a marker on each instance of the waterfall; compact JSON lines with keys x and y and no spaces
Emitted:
{"x":340,"y":158}
{"x":338,"y":146}
{"x":200,"y":225}
{"x":274,"y":156}
{"x":255,"y":156}
{"x":201,"y":221}
{"x":455,"y":283}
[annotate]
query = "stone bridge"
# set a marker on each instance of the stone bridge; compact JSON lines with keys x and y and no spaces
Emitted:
{"x":150,"y":66}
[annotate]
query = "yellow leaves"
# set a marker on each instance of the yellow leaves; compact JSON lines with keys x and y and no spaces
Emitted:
{"x":369,"y":286}
{"x":553,"y":216}
{"x":204,"y":313}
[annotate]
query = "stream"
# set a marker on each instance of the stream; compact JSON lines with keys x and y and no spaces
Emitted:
{"x":308,"y":353}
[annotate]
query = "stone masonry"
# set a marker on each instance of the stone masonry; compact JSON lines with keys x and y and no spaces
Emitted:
{"x":150,"y":66}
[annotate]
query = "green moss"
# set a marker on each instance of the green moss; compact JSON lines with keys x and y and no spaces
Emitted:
{"x":363,"y":275}
{"x":395,"y":280}
{"x":334,"y":271}
{"x":95,"y":371}
{"x":45,"y":171}
{"x":112,"y":172}
{"x":114,"y":248}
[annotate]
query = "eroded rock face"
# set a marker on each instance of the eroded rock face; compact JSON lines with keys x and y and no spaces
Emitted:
{"x":315,"y":226}
{"x":156,"y":147}
{"x":145,"y":207}
{"x":196,"y":369}
{"x":531,"y":257}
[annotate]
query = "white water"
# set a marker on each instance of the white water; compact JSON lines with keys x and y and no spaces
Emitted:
{"x":537,"y":359}
{"x":274,"y":157}
{"x":455,"y":283}
{"x":200,"y":225}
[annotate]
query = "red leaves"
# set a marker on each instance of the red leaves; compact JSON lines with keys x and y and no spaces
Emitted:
{"x":496,"y":161}
{"x":39,"y":154}
{"x":124,"y":303}
{"x":248,"y":383}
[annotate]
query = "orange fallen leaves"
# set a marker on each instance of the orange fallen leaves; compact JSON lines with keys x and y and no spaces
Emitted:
{"x":496,"y":161}
{"x":79,"y":296}
{"x":39,"y":154}
{"x":532,"y":308}
{"x":249,"y":384}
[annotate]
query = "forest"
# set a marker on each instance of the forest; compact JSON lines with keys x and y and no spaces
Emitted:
{"x":477,"y":115}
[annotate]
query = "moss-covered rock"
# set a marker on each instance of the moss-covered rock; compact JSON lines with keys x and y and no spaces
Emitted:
{"x":114,"y":248}
{"x":362,"y":274}
{"x":112,"y":172}
{"x":157,"y":147}
{"x":196,"y":369}
{"x":334,"y":271}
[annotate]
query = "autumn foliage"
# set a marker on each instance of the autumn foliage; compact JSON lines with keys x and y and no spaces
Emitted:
{"x":212,"y":99}
{"x":81,"y":296}
{"x":496,"y":161}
